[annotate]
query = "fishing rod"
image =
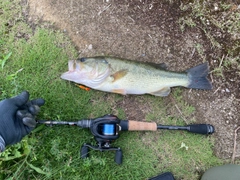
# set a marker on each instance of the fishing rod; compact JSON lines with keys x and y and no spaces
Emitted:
{"x":106,"y":129}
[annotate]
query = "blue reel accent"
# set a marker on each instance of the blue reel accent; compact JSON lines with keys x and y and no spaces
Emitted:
{"x":108,"y":129}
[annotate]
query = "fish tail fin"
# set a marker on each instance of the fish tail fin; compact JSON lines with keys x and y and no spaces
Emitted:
{"x":198,"y":77}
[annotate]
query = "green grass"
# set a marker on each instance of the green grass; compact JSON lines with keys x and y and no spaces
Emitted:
{"x":35,"y":64}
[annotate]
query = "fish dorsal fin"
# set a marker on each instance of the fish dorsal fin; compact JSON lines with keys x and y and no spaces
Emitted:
{"x":162,"y":92}
{"x":119,"y":74}
{"x":161,"y":66}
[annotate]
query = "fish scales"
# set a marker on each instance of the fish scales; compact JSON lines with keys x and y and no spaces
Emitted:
{"x":145,"y":76}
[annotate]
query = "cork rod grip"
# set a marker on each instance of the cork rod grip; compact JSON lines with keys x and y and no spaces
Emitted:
{"x":141,"y":126}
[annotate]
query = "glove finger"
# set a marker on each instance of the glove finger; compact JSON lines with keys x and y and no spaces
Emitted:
{"x":33,"y":106}
{"x":20,"y":99}
{"x":38,"y":102}
{"x":29,"y":121}
{"x":34,"y":109}
{"x":22,"y":113}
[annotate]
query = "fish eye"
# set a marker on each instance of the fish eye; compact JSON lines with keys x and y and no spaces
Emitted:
{"x":81,"y":59}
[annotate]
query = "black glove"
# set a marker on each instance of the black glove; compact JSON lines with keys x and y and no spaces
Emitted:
{"x":17,"y":118}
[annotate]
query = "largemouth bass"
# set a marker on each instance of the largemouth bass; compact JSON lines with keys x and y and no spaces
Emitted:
{"x":131,"y":77}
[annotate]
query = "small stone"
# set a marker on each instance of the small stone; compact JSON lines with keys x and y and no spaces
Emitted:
{"x":90,"y":47}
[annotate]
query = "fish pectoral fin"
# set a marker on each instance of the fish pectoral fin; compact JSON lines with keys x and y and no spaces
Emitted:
{"x":119,"y":74}
{"x":119,"y":91}
{"x":162,"y":92}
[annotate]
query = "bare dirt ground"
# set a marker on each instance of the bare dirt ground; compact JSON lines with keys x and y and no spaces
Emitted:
{"x":149,"y":31}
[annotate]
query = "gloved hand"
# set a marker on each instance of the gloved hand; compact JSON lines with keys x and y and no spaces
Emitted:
{"x":17,"y":118}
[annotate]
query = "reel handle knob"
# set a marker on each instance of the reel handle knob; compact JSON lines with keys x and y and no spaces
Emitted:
{"x":118,"y":156}
{"x":84,"y":151}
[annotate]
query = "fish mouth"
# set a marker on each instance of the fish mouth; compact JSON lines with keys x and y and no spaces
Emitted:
{"x":73,"y":65}
{"x":66,"y":75}
{"x":80,"y":73}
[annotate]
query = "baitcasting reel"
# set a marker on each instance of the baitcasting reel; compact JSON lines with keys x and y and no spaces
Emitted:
{"x":105,"y":130}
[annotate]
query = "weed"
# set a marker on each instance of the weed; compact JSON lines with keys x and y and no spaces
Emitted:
{"x":186,"y":22}
{"x":4,"y":59}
